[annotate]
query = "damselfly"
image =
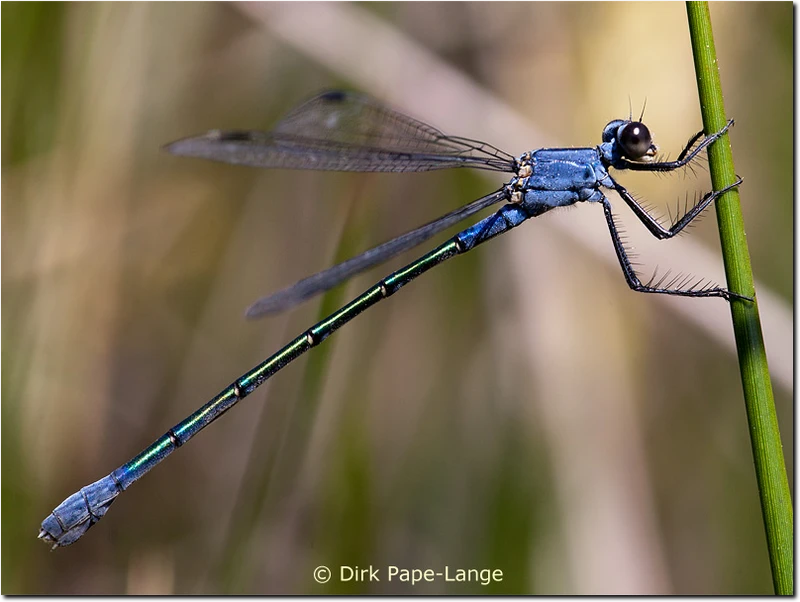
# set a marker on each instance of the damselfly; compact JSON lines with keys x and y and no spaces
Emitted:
{"x":342,"y":131}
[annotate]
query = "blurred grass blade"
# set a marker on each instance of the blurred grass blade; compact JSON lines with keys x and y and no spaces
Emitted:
{"x":776,"y":502}
{"x":269,"y":460}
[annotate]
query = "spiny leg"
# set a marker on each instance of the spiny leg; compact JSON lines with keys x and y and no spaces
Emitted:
{"x":686,"y":156}
{"x":654,"y":226}
{"x":693,"y":140}
{"x":695,"y":290}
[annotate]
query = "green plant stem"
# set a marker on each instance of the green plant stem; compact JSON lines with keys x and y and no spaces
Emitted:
{"x":773,"y":486}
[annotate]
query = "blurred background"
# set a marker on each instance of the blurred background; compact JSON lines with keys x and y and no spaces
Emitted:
{"x":518,"y":408}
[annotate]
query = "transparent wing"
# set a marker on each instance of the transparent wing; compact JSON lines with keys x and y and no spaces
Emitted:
{"x":345,"y":131}
{"x":327,"y":279}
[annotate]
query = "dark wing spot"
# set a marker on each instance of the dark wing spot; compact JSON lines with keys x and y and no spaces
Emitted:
{"x":333,"y":96}
{"x":235,"y":136}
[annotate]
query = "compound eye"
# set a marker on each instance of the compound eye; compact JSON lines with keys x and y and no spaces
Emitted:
{"x":635,"y":140}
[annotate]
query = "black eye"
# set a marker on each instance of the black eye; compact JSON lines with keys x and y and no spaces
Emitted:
{"x":635,"y":139}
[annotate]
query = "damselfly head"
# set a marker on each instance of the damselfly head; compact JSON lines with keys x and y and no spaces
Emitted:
{"x":635,"y":141}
